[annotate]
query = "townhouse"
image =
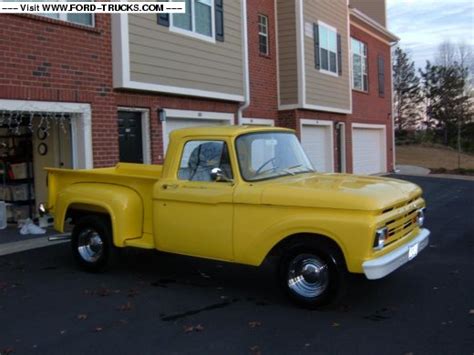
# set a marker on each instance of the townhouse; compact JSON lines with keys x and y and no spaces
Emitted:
{"x":84,"y":91}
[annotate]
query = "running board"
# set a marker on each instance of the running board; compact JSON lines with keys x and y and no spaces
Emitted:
{"x":58,"y":237}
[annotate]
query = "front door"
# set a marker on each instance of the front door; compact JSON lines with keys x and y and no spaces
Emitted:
{"x":193,"y":214}
{"x":130,"y":137}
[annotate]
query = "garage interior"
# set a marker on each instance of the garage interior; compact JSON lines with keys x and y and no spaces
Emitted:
{"x":30,"y":142}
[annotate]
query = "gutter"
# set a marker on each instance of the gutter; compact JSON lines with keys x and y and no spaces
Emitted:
{"x":246,"y":77}
{"x":374,"y":24}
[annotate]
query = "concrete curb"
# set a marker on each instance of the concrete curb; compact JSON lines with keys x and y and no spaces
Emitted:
{"x":29,"y":244}
{"x":438,"y":176}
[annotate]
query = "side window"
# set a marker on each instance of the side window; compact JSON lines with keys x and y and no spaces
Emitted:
{"x":263,"y":35}
{"x":200,"y":157}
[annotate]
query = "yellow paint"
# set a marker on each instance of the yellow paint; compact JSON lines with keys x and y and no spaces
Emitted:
{"x":239,"y":221}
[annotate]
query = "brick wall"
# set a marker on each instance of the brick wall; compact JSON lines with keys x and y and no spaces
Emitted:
{"x":44,"y":59}
{"x":153,"y":102}
{"x":369,"y":107}
{"x":263,"y":69}
{"x":49,"y":60}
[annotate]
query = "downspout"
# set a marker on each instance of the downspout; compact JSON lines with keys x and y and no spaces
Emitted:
{"x":246,"y":77}
{"x":391,"y":108}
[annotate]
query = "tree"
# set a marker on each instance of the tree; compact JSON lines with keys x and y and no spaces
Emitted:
{"x":407,"y":93}
{"x":446,"y":99}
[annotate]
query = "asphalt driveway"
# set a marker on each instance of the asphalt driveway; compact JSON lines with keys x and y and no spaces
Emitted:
{"x":163,"y":304}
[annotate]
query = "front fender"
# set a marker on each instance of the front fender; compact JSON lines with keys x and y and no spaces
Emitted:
{"x":122,"y":204}
{"x":348,"y":231}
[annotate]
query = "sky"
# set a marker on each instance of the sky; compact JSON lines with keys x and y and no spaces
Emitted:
{"x":423,"y":24}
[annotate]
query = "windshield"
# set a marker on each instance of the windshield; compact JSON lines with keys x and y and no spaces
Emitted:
{"x":269,"y":155}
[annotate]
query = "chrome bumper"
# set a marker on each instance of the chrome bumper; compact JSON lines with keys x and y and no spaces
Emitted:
{"x":381,"y":267}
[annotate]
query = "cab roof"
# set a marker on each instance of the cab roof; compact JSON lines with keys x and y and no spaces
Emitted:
{"x":224,"y":131}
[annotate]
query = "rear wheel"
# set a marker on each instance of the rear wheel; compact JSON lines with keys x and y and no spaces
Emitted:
{"x":92,"y":244}
{"x":312,"y":274}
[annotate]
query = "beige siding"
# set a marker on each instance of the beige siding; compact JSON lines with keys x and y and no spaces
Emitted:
{"x":287,"y":52}
{"x":323,"y":89}
{"x":376,"y":9}
{"x":159,"y":56}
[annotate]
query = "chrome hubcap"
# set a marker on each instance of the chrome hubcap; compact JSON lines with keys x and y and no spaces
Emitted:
{"x":308,"y":276}
{"x":90,"y":245}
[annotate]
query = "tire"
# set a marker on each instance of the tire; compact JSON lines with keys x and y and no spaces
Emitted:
{"x":92,"y":243}
{"x":313,"y":274}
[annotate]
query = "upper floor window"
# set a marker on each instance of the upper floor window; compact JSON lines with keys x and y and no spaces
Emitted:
{"x":263,"y":35}
{"x":80,"y":19}
{"x":327,"y":49}
{"x":203,"y":19}
{"x":197,"y":19}
{"x":359,"y":65}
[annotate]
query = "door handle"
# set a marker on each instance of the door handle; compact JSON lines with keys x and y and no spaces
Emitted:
{"x":169,"y":186}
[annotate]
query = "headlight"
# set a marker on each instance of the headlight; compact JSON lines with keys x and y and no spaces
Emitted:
{"x":421,"y":217}
{"x":380,"y":236}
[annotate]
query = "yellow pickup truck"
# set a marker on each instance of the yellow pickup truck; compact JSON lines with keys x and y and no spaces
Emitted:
{"x":241,"y":194}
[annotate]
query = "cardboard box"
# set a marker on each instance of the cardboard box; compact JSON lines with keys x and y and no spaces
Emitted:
{"x":20,"y":171}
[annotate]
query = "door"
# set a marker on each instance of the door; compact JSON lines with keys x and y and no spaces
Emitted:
{"x":193,"y":214}
{"x":52,"y":148}
{"x":317,"y":143}
{"x":369,"y":152}
{"x":130,"y":137}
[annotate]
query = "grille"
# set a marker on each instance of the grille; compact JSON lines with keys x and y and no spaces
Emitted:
{"x":401,"y":226}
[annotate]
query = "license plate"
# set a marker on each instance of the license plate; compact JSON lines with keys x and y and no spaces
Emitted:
{"x":412,"y":251}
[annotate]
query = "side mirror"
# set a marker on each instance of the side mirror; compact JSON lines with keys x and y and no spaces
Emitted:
{"x":218,"y":175}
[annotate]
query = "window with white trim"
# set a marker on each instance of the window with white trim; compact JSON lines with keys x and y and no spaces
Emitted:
{"x":360,"y":79}
{"x":198,"y":18}
{"x":328,"y":49}
{"x":80,"y":19}
{"x":263,"y":35}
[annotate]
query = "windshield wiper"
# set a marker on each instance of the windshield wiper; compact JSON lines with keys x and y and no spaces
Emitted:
{"x":288,"y":170}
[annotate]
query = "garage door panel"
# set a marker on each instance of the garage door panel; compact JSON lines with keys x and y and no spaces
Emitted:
{"x":317,"y":143}
{"x":368,"y":151}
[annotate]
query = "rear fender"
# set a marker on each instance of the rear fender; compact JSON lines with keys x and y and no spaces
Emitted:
{"x":122,"y":204}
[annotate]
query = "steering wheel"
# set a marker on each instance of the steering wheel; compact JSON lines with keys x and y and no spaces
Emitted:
{"x":258,"y":171}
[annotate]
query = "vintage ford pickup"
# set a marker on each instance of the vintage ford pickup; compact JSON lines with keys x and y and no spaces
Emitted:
{"x":241,"y":194}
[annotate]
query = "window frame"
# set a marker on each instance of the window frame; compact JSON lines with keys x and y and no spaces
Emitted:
{"x":364,"y":64}
{"x":192,"y":33}
{"x":264,"y":34}
{"x":63,"y":16}
{"x":329,"y":28}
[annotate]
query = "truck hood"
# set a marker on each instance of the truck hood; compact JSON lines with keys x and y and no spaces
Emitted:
{"x":365,"y":193}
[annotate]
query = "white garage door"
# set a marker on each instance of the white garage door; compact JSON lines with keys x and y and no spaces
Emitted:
{"x":369,"y":151}
{"x":173,"y":123}
{"x":317,"y":143}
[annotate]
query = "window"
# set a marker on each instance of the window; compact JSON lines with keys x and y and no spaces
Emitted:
{"x":198,"y":18}
{"x":200,"y":157}
{"x":263,"y":35}
{"x":359,"y":65}
{"x":80,"y":19}
{"x":328,"y":48}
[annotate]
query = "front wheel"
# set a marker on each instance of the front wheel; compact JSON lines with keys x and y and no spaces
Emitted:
{"x":92,"y":244}
{"x":313,"y":276}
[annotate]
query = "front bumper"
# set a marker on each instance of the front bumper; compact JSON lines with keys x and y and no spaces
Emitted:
{"x":384,"y":265}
